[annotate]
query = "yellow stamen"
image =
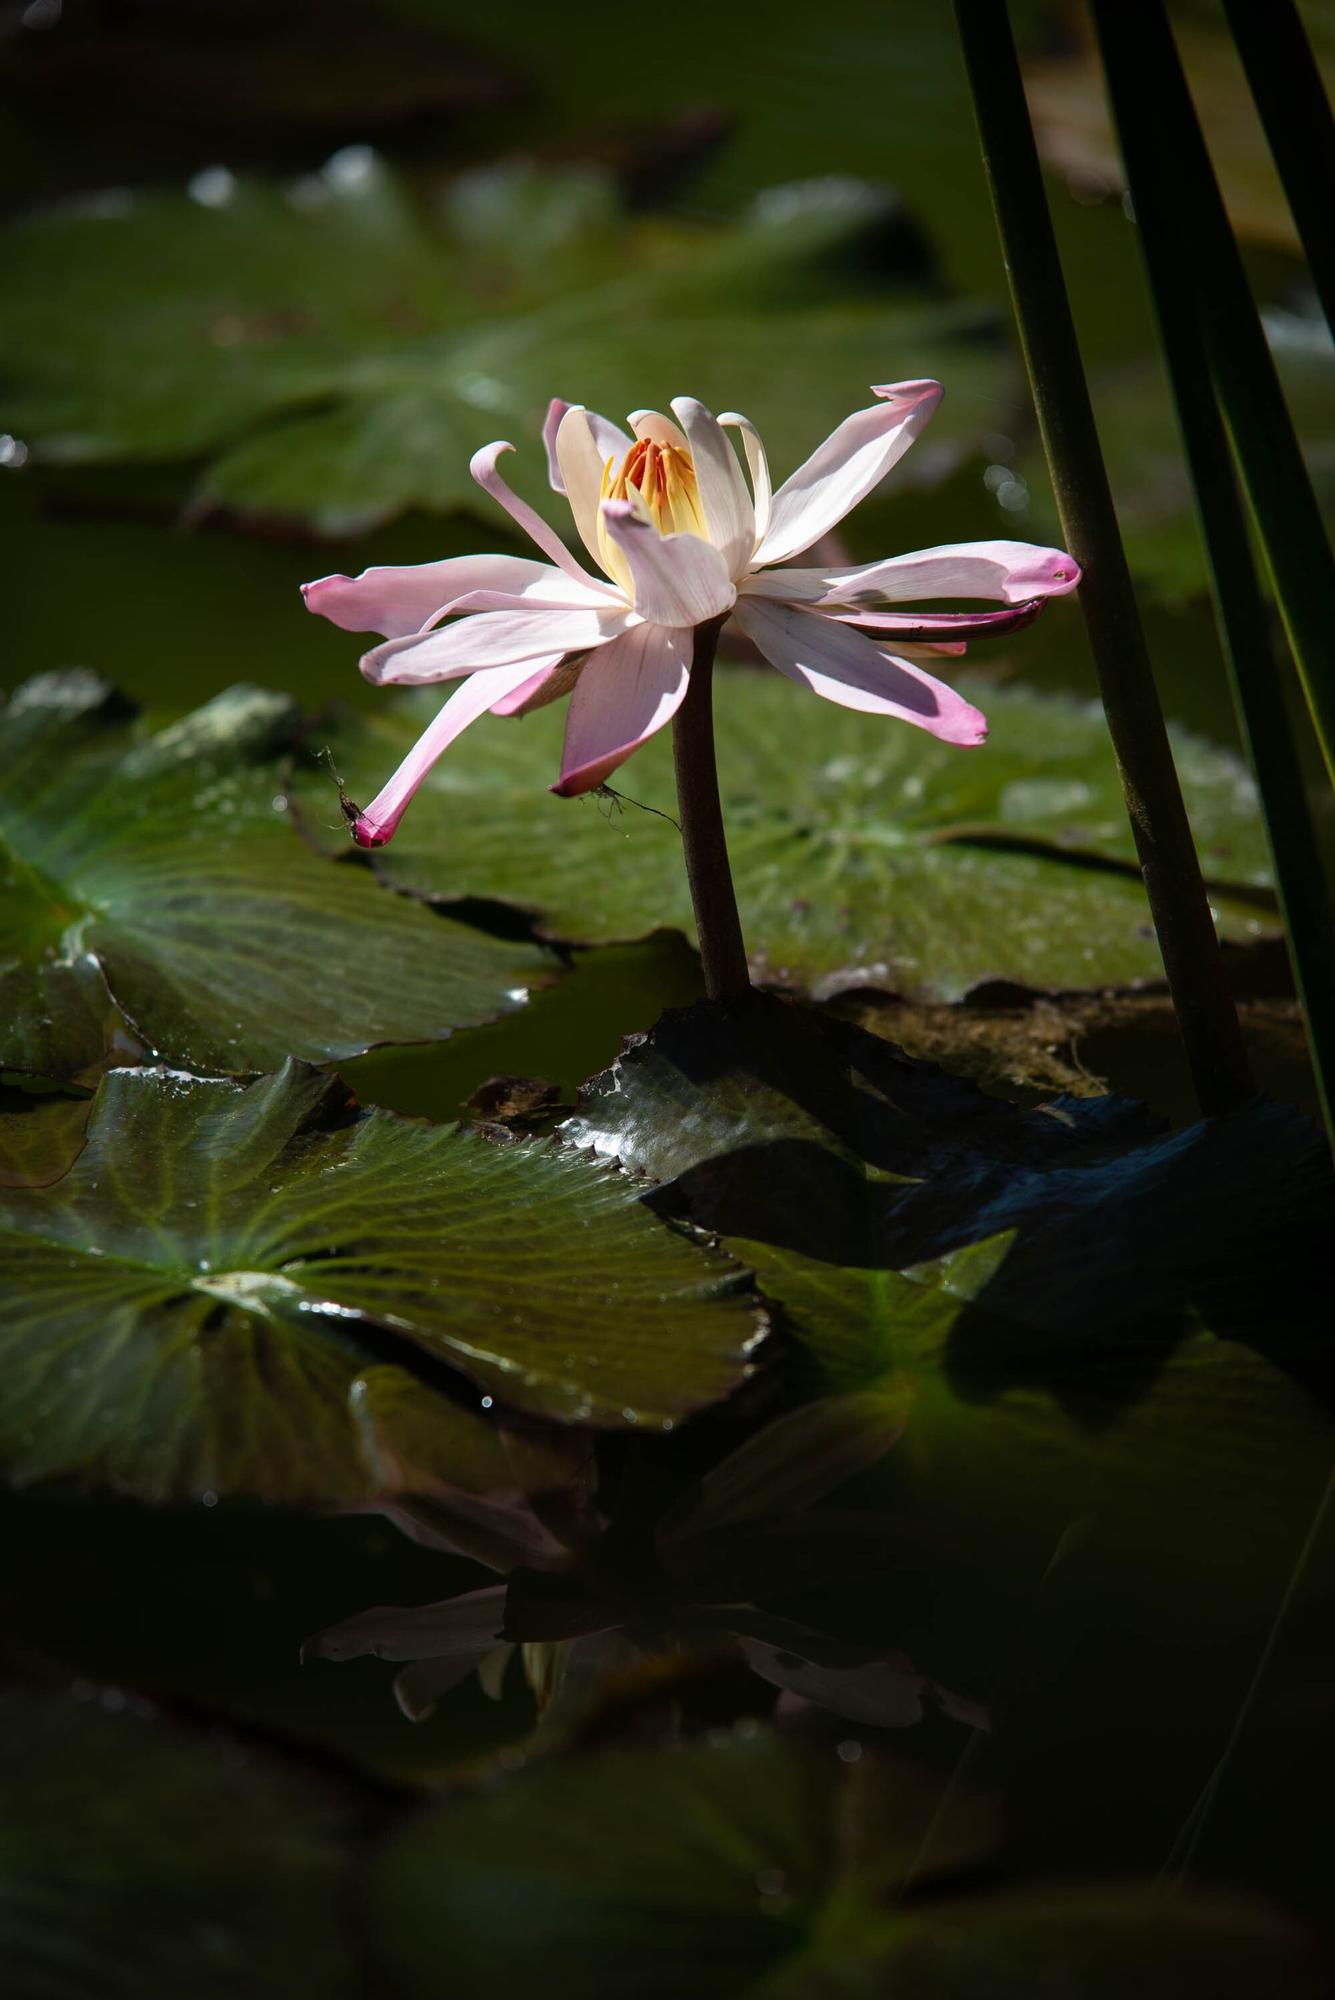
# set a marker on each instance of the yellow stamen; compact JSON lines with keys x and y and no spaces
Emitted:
{"x":659,"y":482}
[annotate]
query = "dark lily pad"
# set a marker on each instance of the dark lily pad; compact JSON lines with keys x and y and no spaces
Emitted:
{"x":1087,"y":1314}
{"x":253,"y":1289}
{"x":754,"y":1866}
{"x":340,"y":352}
{"x":157,"y":902}
{"x":864,"y":853}
{"x":142,"y":1862}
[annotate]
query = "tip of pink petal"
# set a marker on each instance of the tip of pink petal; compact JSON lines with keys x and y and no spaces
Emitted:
{"x":366,"y":833}
{"x":1061,"y":574}
{"x":908,"y":393}
{"x":311,"y":593}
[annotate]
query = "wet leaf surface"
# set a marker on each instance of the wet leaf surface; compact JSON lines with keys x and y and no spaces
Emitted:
{"x":158,"y":903}
{"x":863,"y":853}
{"x":196,"y":1305}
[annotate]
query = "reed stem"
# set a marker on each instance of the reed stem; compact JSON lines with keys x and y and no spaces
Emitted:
{"x":1240,"y":607}
{"x":1206,"y":1016}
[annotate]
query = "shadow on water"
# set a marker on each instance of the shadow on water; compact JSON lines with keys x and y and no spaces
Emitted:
{"x":1082,"y":1240}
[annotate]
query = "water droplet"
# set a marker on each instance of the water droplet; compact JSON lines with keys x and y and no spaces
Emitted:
{"x":352,"y":168}
{"x":212,"y":187}
{"x":210,"y":1498}
{"x":849,"y":1750}
{"x":486,"y":1402}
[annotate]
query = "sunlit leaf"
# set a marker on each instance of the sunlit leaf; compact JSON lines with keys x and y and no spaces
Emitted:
{"x":863,"y":852}
{"x":157,"y":900}
{"x":195,"y":1305}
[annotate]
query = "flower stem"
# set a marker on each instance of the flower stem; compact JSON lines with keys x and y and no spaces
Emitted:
{"x":722,"y":953}
{"x":1206,"y":1016}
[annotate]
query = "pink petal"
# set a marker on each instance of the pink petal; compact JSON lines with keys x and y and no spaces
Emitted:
{"x":491,"y":639}
{"x":483,"y":468}
{"x":551,"y":424}
{"x":724,"y":501}
{"x":1010,"y":572}
{"x":456,"y":1626}
{"x":678,"y":579}
{"x":912,"y":627}
{"x":852,"y":461}
{"x":377,"y":824}
{"x":399,"y":599}
{"x":835,"y":661}
{"x":519,"y":698}
{"x":622,"y":697}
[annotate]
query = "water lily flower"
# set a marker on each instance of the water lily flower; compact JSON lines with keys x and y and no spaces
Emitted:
{"x":682,"y":539}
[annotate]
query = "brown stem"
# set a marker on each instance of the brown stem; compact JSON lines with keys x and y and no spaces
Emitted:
{"x":722,"y":953}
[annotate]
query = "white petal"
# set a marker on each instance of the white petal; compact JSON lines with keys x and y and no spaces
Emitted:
{"x":584,"y":443}
{"x":854,"y":459}
{"x":678,"y":579}
{"x":724,"y":500}
{"x":835,"y":661}
{"x":653,"y":424}
{"x":757,"y":460}
{"x":491,"y":639}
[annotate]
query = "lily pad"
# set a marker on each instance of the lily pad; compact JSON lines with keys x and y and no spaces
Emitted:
{"x":756,"y":1866}
{"x":863,"y":853}
{"x":252,"y":1289}
{"x":142,"y":1862}
{"x":340,"y":352}
{"x":158,"y":902}
{"x":1086,"y":1314}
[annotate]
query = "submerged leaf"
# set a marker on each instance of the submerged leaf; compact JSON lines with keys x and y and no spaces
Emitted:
{"x":863,"y":853}
{"x":752,"y":1866}
{"x":141,"y":1862}
{"x":194,"y":1306}
{"x":157,"y":901}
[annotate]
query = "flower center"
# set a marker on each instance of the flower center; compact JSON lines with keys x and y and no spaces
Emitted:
{"x":660,"y":483}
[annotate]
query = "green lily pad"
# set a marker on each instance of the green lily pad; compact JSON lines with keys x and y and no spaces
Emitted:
{"x":158,"y":902}
{"x":1085,"y":1314}
{"x":863,"y":852}
{"x":39,"y":1136}
{"x":752,"y":1866}
{"x":201,"y":1302}
{"x":139,"y":1862}
{"x":340,"y":351}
